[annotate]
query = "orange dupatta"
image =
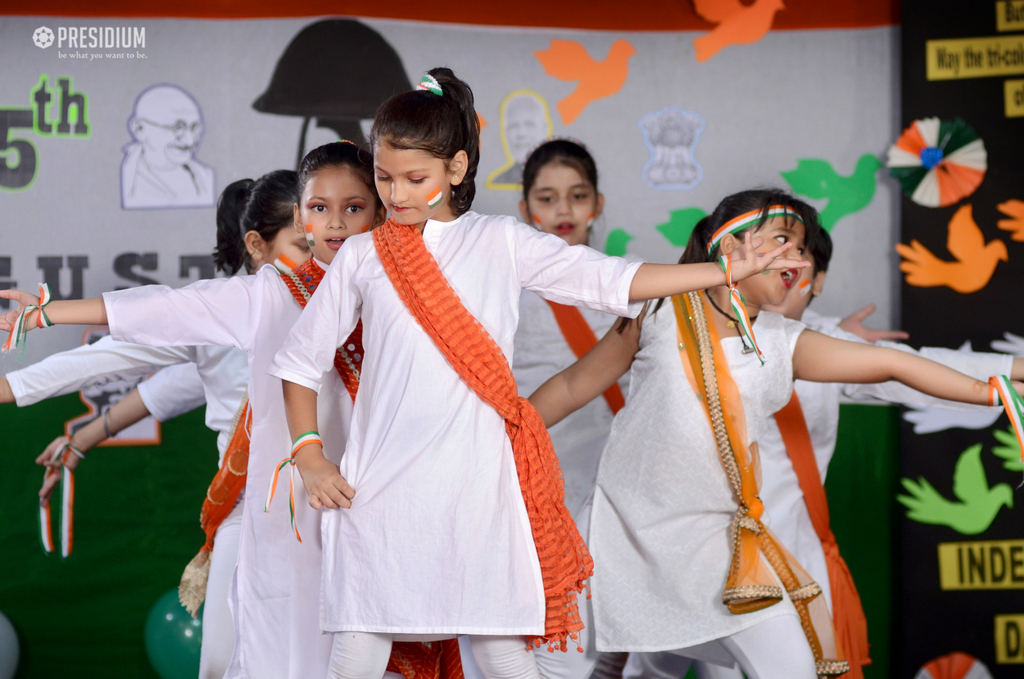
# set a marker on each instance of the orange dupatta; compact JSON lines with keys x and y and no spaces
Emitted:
{"x":411,"y":659}
{"x":581,"y":338}
{"x":751,"y":585}
{"x":565,"y":562}
{"x":847,"y":612}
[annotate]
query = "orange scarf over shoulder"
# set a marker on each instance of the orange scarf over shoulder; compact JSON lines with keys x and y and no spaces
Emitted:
{"x":847,"y":611}
{"x":565,"y":563}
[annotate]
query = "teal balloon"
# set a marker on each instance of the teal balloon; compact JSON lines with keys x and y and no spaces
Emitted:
{"x":9,"y":649}
{"x":173,"y":639}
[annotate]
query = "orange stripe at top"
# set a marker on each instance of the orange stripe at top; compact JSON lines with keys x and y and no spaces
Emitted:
{"x":657,"y":15}
{"x":581,"y":338}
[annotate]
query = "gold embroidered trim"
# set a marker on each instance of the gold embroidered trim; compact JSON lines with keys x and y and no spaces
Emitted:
{"x":748,"y":592}
{"x":831,"y":668}
{"x":808,"y":591}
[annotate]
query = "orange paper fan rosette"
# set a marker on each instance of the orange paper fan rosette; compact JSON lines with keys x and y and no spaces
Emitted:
{"x":938,"y":162}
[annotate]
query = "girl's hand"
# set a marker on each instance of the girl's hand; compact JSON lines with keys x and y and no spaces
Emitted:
{"x":23,"y":299}
{"x":323,"y":480}
{"x":854,"y":325}
{"x":747,"y":261}
{"x":52,"y":476}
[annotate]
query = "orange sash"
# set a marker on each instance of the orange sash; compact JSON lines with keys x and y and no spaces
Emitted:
{"x":565,"y":563}
{"x":751,"y":585}
{"x":581,"y":338}
{"x":851,"y":624}
{"x":413,"y":660}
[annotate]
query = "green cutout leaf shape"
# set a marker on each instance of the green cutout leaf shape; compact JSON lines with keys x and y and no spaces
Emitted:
{"x":815,"y":178}
{"x":978,"y":504}
{"x":1009,"y":450}
{"x":616,"y":243}
{"x":680,"y":225}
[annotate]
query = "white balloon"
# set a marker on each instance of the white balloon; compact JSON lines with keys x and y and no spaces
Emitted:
{"x":9,"y":649}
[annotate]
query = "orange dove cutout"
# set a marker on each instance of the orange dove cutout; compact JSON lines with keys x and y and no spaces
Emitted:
{"x":738,"y":24}
{"x":568,"y":60}
{"x":975,"y":259}
{"x":1014,"y":209}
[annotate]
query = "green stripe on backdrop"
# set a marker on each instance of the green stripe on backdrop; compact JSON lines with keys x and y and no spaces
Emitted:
{"x":136,"y":526}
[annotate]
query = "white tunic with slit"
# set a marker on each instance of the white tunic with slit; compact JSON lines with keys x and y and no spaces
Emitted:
{"x":276,"y":590}
{"x":659,"y":530}
{"x":437,"y":540}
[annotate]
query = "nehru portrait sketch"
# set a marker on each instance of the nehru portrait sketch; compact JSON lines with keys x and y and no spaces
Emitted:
{"x":160,"y":169}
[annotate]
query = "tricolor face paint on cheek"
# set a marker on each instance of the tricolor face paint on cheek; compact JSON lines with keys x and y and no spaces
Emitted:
{"x":805,"y":287}
{"x":309,"y":235}
{"x":434,"y":199}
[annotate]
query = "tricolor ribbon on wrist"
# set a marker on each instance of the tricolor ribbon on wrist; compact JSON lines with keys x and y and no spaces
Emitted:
{"x":17,"y":336}
{"x":739,"y":306}
{"x":303,"y":440}
{"x":67,"y":504}
{"x":1001,"y":392}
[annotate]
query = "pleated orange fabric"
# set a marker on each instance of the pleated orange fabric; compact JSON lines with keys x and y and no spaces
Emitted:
{"x":565,"y":563}
{"x":413,"y":660}
{"x":581,"y":338}
{"x":847,"y":611}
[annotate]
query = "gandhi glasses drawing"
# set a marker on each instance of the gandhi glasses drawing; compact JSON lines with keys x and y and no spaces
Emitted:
{"x":160,"y":169}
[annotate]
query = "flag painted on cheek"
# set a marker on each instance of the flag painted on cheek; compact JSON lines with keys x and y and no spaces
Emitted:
{"x":309,"y":235}
{"x":434,"y":199}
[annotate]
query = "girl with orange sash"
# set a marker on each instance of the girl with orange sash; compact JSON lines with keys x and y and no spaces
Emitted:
{"x":685,"y":562}
{"x":252,"y":221}
{"x":452,"y":516}
{"x":275,"y":593}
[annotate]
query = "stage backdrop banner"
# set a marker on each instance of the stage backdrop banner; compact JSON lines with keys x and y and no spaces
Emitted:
{"x":962,"y":537}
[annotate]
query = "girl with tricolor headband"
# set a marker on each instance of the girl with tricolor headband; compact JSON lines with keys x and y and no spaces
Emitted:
{"x":276,"y":601}
{"x":449,"y":485}
{"x":561,"y":197}
{"x":254,"y":226}
{"x":677,"y":511}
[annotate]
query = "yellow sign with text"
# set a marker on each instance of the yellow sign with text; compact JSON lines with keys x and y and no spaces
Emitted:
{"x":981,"y":565}
{"x":1014,"y":98}
{"x":1010,"y":15}
{"x":974,"y":57}
{"x":1010,"y":639}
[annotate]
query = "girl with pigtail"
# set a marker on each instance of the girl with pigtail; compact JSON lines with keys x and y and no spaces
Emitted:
{"x":685,"y":562}
{"x":276,"y":588}
{"x":254,"y":227}
{"x":452,"y":518}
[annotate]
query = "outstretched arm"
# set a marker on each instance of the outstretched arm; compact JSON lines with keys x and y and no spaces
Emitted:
{"x":653,"y":281}
{"x":819,"y":358}
{"x":589,"y":377}
{"x":65,"y":312}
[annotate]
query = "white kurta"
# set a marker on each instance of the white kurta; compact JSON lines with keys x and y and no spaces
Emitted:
{"x":276,"y":589}
{"x":659,"y":530}
{"x":780,"y":489}
{"x":219,"y":376}
{"x":541,"y":351}
{"x":437,"y":540}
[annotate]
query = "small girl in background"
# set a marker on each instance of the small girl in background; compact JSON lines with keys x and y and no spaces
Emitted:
{"x":276,"y":600}
{"x":454,"y":520}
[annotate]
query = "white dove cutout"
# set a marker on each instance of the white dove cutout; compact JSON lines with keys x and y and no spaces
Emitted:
{"x":931,"y":420}
{"x":1012,"y":344}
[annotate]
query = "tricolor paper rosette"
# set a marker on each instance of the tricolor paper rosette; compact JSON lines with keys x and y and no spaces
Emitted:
{"x":938,"y":162}
{"x":956,"y":665}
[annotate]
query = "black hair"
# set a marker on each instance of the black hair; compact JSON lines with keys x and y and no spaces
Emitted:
{"x":439,"y":125}
{"x":263,"y":206}
{"x":563,"y":151}
{"x":338,"y":154}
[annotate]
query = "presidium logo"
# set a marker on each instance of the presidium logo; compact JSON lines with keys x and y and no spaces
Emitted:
{"x":43,"y":37}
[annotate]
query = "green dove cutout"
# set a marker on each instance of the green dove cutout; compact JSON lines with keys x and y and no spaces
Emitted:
{"x":978,"y":504}
{"x":815,"y":178}
{"x":616,"y":243}
{"x":680,"y":225}
{"x":1009,"y":450}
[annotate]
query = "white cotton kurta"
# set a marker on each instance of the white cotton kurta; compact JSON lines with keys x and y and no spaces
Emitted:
{"x":659,"y":530}
{"x":540,"y":352}
{"x":780,"y":489}
{"x":437,"y":540}
{"x":217,"y":375}
{"x":276,"y":593}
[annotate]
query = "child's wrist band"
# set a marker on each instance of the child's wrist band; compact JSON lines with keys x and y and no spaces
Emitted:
{"x":306,"y":439}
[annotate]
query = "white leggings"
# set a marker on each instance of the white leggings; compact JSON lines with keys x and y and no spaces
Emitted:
{"x":773,"y":649}
{"x":218,"y":625}
{"x":364,"y":655}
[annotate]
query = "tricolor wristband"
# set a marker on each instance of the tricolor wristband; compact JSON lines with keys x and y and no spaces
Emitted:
{"x":306,"y":439}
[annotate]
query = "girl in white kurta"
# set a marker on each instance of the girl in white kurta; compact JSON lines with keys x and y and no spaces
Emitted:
{"x":663,"y":506}
{"x":435,"y":537}
{"x":276,"y":590}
